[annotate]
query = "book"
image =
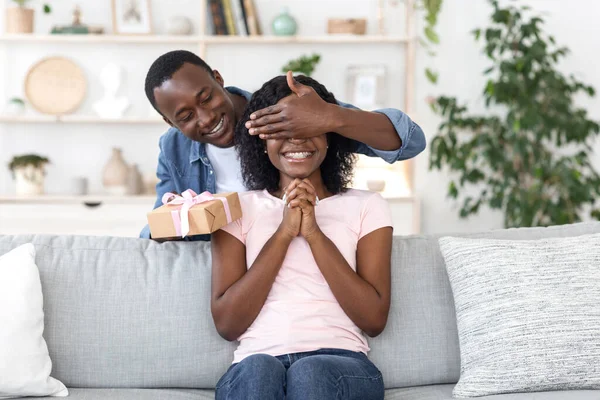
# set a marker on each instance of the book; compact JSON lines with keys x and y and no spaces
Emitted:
{"x":210,"y":25}
{"x":216,"y":10}
{"x":252,"y":18}
{"x":229,"y":20}
{"x":244,"y":15}
{"x":240,"y":24}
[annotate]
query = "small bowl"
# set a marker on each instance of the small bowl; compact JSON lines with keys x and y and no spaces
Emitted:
{"x":376,"y":185}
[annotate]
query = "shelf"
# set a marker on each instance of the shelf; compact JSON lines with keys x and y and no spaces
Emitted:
{"x":66,"y":199}
{"x":75,"y":119}
{"x":33,"y":38}
{"x":167,"y":39}
{"x":305,"y":39}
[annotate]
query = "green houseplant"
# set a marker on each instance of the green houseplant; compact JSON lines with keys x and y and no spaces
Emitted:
{"x":529,"y":154}
{"x":431,"y":9}
{"x":29,"y":172}
{"x":304,"y":64}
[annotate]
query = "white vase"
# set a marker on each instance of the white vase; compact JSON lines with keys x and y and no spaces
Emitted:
{"x":179,"y":25}
{"x":29,"y":180}
{"x":114,"y":175}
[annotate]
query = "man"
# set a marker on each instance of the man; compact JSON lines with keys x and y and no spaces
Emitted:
{"x":197,"y":151}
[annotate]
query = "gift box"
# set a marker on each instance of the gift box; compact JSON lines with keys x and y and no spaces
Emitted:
{"x":193,"y":214}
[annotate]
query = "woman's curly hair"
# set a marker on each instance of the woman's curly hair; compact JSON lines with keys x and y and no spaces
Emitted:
{"x":257,"y":170}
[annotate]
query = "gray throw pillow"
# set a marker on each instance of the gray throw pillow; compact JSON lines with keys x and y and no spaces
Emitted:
{"x":528,"y":313}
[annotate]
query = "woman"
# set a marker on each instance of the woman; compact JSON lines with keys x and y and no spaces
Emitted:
{"x":305,"y":271}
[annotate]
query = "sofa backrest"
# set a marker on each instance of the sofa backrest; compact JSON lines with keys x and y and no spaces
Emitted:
{"x":123,"y":312}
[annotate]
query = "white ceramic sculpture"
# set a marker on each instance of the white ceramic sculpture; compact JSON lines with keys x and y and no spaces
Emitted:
{"x":111,"y":105}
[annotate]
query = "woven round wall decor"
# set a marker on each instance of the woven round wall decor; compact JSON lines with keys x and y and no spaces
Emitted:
{"x":55,"y":86}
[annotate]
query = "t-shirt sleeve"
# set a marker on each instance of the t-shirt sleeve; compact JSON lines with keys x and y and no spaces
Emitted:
{"x":376,"y":214}
{"x":235,"y":229}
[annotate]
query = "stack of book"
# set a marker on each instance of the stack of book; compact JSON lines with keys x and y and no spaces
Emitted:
{"x":232,"y":17}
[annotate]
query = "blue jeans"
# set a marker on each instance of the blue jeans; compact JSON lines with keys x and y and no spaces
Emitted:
{"x":326,"y":374}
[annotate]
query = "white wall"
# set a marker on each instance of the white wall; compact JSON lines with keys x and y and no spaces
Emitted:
{"x":83,"y":149}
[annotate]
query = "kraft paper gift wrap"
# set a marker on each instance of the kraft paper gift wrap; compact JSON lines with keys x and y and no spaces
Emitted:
{"x":193,"y":214}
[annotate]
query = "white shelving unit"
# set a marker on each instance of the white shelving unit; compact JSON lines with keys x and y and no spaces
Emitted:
{"x":130,"y":210}
{"x":206,"y":39}
{"x":75,"y":119}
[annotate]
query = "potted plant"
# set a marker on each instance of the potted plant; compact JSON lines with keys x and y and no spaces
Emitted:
{"x":305,"y":65}
{"x":29,"y":172}
{"x":19,"y":19}
{"x":529,"y":154}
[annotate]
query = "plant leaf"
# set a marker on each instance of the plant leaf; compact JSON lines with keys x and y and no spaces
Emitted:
{"x":431,"y":76}
{"x":431,"y":35}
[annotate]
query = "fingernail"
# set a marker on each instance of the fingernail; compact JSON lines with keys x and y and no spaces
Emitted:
{"x":289,"y":205}
{"x":248,"y":124}
{"x":251,"y":131}
{"x":284,"y":197}
{"x":252,"y":116}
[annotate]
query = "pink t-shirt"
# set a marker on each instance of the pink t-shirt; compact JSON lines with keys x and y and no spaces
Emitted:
{"x":300,"y":313}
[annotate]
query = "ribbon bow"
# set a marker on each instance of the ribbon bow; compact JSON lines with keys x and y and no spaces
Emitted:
{"x":187,"y":200}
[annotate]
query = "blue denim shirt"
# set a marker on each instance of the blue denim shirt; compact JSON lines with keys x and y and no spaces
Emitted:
{"x":183,"y":163}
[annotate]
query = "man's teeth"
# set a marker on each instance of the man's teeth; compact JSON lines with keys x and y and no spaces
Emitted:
{"x":298,"y":155}
{"x":216,"y":128}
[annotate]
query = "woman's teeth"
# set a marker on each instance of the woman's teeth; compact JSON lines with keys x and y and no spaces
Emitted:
{"x":218,"y":127}
{"x":299,"y":155}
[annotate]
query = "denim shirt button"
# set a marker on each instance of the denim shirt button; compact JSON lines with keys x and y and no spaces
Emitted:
{"x":210,"y":172}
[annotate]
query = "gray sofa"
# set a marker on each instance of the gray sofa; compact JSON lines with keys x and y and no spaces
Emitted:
{"x":130,"y":319}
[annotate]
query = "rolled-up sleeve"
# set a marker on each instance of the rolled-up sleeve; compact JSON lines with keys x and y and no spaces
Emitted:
{"x":411,"y":135}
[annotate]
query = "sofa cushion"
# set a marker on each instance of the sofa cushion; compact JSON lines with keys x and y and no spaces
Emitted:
{"x":128,"y":313}
{"x":25,"y":364}
{"x":137,"y":394}
{"x":419,"y":345}
{"x":444,"y":392}
{"x":527,"y":312}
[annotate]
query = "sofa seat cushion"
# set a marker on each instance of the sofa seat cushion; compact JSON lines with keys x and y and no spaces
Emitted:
{"x":444,"y":392}
{"x":137,"y":394}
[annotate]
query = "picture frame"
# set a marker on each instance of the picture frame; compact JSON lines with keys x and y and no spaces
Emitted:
{"x":132,"y":17}
{"x":365,"y":86}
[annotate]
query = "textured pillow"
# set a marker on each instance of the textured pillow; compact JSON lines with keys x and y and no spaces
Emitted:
{"x":528,"y":313}
{"x":25,"y":364}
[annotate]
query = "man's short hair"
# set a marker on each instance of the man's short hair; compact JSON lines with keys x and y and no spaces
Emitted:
{"x":165,"y":66}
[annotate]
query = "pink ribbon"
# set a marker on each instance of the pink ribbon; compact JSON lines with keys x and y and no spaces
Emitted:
{"x":187,"y":200}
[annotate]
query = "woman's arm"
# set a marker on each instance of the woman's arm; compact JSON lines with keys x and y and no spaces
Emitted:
{"x":364,"y":295}
{"x":238,"y":293}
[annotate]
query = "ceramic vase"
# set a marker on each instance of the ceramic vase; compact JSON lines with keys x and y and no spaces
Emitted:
{"x":135,"y":182}
{"x":179,"y":25}
{"x":114,"y":175}
{"x":284,"y":24}
{"x":29,"y":180}
{"x":19,"y":20}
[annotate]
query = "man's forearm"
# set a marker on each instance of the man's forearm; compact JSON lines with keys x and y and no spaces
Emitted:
{"x":371,"y":128}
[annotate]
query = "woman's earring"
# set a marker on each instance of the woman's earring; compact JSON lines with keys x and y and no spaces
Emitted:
{"x":265,"y":151}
